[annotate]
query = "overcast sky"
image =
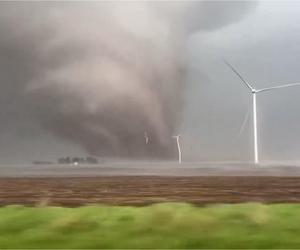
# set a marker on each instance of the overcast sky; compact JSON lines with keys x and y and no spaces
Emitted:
{"x":264,"y":48}
{"x":261,"y":39}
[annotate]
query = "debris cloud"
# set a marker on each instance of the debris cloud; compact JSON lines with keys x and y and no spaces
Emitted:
{"x":104,"y":74}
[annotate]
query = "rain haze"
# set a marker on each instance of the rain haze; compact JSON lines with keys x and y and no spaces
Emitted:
{"x":92,"y":78}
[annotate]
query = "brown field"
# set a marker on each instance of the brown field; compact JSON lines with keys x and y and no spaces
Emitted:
{"x":141,"y":190}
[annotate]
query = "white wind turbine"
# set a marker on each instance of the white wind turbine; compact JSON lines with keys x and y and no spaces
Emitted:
{"x":254,"y":92}
{"x":146,"y":137}
{"x":178,"y":147}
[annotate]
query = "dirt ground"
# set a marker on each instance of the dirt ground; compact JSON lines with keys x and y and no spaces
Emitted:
{"x":139,"y":190}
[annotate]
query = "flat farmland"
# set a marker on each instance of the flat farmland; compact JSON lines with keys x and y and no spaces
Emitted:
{"x":144,"y":190}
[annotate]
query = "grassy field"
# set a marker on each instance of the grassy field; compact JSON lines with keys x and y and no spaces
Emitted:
{"x":168,"y":225}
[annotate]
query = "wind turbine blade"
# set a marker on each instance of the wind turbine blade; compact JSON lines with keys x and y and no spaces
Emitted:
{"x":279,"y":87}
{"x":239,"y":75}
{"x":244,"y":123}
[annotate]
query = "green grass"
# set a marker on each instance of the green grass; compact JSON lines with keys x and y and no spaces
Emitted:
{"x":169,"y":225}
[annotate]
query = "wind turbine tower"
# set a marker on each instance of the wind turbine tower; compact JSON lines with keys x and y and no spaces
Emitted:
{"x":254,"y":92}
{"x":146,"y":137}
{"x":178,"y":148}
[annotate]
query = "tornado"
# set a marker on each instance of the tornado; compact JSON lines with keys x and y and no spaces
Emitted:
{"x":104,"y":74}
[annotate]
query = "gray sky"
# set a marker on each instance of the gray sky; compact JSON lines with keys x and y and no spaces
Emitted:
{"x":57,"y":62}
{"x":264,"y":47}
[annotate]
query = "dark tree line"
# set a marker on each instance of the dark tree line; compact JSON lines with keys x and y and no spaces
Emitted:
{"x":77,"y":160}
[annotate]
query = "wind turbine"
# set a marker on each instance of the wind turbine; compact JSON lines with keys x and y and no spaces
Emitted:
{"x":254,"y":92}
{"x":178,"y":147}
{"x":146,"y":137}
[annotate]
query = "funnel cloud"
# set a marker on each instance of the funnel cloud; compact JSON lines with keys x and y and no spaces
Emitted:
{"x":104,"y":74}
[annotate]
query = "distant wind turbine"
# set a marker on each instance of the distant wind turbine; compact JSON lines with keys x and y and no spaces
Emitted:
{"x":254,"y":92}
{"x":146,"y":137}
{"x":178,"y":147}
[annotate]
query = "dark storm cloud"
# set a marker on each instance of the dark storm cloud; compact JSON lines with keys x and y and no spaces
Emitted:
{"x":101,"y":74}
{"x":217,"y":14}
